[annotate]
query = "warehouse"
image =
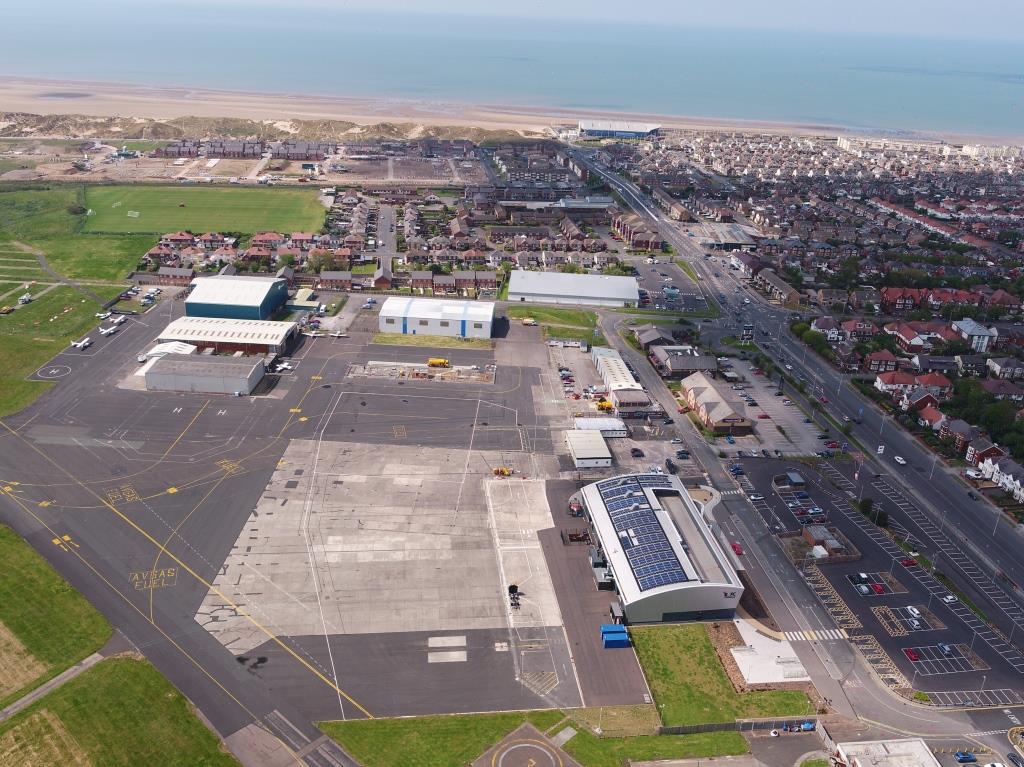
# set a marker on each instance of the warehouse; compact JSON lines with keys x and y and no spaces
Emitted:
{"x":224,"y":335}
{"x":572,"y":289}
{"x":624,"y":392}
{"x":236,"y":297}
{"x":205,"y":373}
{"x":608,"y":427}
{"x":617,"y":129}
{"x":667,"y":564}
{"x":588,"y":449}
{"x":437,"y":317}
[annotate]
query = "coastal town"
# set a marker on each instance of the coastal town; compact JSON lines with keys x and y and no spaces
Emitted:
{"x":620,"y":444}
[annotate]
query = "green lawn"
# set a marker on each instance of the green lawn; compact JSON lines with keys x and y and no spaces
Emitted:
{"x":430,"y":741}
{"x":815,"y":763}
{"x":121,"y":712}
{"x":96,"y":256}
{"x":591,"y":751}
{"x":199,"y":209}
{"x":33,"y":334}
{"x":430,"y":342}
{"x":579,"y":318}
{"x":53,"y":622}
{"x":690,"y":686}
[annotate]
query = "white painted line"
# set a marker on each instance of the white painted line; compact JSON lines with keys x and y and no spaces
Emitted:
{"x":452,"y":641}
{"x":447,"y":656}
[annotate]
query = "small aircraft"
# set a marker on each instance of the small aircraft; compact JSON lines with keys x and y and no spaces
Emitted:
{"x":108,"y":331}
{"x":85,"y":342}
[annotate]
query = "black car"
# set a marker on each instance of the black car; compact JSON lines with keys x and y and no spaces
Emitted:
{"x":765,"y":453}
{"x":667,"y":421}
{"x":636,"y":452}
{"x":682,"y":454}
{"x":1015,"y":760}
{"x":670,"y":466}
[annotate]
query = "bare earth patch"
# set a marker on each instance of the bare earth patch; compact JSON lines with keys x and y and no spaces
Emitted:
{"x":18,"y":666}
{"x":41,"y":739}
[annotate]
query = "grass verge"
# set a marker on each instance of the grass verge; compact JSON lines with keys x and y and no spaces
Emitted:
{"x":431,"y":342}
{"x":56,"y":626}
{"x":430,"y":741}
{"x":120,"y":712}
{"x":591,"y":751}
{"x":690,"y":685}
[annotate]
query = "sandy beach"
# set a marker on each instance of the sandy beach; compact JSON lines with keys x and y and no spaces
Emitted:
{"x":48,"y":97}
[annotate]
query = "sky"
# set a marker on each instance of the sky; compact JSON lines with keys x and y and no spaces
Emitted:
{"x":977,"y":19}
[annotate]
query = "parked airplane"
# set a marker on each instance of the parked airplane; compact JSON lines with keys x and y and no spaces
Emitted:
{"x":82,"y":344}
{"x":118,"y":319}
{"x":108,"y":331}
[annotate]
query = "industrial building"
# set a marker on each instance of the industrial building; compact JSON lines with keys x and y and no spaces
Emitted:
{"x":607,"y":426}
{"x":236,"y":297}
{"x":572,"y":289}
{"x":437,"y":317}
{"x":588,"y":449}
{"x":656,"y":545}
{"x":624,"y":392}
{"x":226,"y":335}
{"x":205,"y":373}
{"x":617,"y":129}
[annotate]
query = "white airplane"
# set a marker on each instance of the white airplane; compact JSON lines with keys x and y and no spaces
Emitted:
{"x":81,"y":344}
{"x":108,"y":331}
{"x":102,"y":315}
{"x":338,"y":334}
{"x":118,"y":319}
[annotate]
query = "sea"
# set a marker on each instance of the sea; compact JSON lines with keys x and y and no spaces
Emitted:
{"x":881,"y":84}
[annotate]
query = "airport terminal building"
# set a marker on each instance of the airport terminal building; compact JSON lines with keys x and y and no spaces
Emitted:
{"x":236,"y":297}
{"x":655,"y":545}
{"x":437,"y":317}
{"x":572,"y":289}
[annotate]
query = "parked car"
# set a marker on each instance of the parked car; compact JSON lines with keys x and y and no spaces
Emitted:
{"x":863,"y":589}
{"x":763,"y":416}
{"x":636,"y":452}
{"x":965,"y":757}
{"x":950,"y":599}
{"x":911,"y":653}
{"x":878,"y":588}
{"x":737,"y":549}
{"x":944,"y":648}
{"x":756,"y":497}
{"x":900,"y":460}
{"x":729,"y":439}
{"x":908,"y":562}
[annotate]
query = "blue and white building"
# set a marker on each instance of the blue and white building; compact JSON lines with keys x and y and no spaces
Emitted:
{"x":236,"y":297}
{"x":666,"y":562}
{"x":437,"y":317}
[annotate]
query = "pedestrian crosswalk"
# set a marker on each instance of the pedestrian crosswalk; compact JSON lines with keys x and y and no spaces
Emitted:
{"x":731,"y":493}
{"x":816,"y":636}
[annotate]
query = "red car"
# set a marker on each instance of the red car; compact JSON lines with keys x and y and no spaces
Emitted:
{"x":911,"y":654}
{"x":908,"y":562}
{"x":832,"y":445}
{"x":737,"y":549}
{"x":823,"y":400}
{"x":877,"y":588}
{"x":764,"y":416}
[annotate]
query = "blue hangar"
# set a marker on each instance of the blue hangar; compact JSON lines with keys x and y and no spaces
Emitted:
{"x":236,"y":297}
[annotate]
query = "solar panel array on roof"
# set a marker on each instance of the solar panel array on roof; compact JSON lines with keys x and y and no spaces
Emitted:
{"x":647,"y":548}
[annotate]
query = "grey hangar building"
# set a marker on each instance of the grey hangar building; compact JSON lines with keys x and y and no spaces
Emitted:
{"x":572,"y":289}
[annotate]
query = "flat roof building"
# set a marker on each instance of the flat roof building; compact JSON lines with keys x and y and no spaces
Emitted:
{"x":236,"y":297}
{"x":205,"y":373}
{"x":588,"y":449}
{"x":437,"y":317}
{"x":607,"y":426}
{"x":624,"y":392}
{"x":667,"y":564}
{"x":617,"y":129}
{"x":227,"y":335}
{"x":905,"y":752}
{"x":574,"y":289}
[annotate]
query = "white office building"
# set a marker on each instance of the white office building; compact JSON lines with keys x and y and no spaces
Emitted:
{"x":437,"y":317}
{"x":666,"y":562}
{"x":572,"y":289}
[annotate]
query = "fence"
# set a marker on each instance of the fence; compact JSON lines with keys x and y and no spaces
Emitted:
{"x":741,"y":725}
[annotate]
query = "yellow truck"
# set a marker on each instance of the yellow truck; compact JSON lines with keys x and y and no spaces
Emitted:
{"x":438,"y":362}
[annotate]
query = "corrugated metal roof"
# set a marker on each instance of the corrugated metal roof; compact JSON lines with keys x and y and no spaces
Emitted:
{"x":217,"y":330}
{"x":235,"y":290}
{"x":437,"y":309}
{"x":581,"y":286}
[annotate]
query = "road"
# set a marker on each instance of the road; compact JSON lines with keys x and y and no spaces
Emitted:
{"x":993,"y":546}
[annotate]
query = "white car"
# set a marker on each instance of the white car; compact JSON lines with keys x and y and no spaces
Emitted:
{"x":756,"y":497}
{"x":950,"y":599}
{"x":676,"y":441}
{"x":788,"y":366}
{"x":900,"y":460}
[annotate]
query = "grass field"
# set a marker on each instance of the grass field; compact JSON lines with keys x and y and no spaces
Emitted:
{"x":430,"y":342}
{"x":121,"y":712}
{"x":52,"y":622}
{"x":690,"y":685}
{"x":572,"y":324}
{"x":35,"y":333}
{"x":200,"y":209}
{"x":430,"y":741}
{"x":815,"y":763}
{"x":96,"y":256}
{"x":591,"y":751}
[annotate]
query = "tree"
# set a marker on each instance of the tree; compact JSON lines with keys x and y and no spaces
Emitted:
{"x":866,"y":504}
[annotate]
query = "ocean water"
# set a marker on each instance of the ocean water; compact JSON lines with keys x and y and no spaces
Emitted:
{"x":870,"y":83}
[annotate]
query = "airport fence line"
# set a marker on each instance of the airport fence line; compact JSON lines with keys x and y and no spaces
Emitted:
{"x":745,"y":725}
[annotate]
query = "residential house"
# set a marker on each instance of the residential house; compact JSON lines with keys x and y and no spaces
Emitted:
{"x":1006,"y":473}
{"x":681,"y":361}
{"x":971,"y":364}
{"x":776,"y":287}
{"x":895,"y":383}
{"x":747,"y":264}
{"x":444,"y":284}
{"x":170,"y":275}
{"x":917,"y":399}
{"x":931,"y":418}
{"x":858,"y":329}
{"x":422,"y":280}
{"x":829,"y":328}
{"x":900,"y":300}
{"x":937,"y":384}
{"x":960,"y":432}
{"x":382,"y":277}
{"x":832,"y":300}
{"x":883,"y":361}
{"x":1009,"y":368}
{"x":652,"y":335}
{"x":1000,"y":388}
{"x":975,"y":334}
{"x":335,"y":280}
{"x":716,"y":410}
{"x":864,"y":298}
{"x":980,"y":449}
{"x":930,"y":363}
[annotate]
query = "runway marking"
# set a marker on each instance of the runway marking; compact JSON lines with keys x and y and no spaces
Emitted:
{"x":65,"y":543}
{"x":184,"y":566}
{"x":814,"y":636}
{"x":399,"y":432}
{"x":157,"y":578}
{"x":174,"y":444}
{"x":295,"y":410}
{"x":256,"y":720}
{"x":171,"y":490}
